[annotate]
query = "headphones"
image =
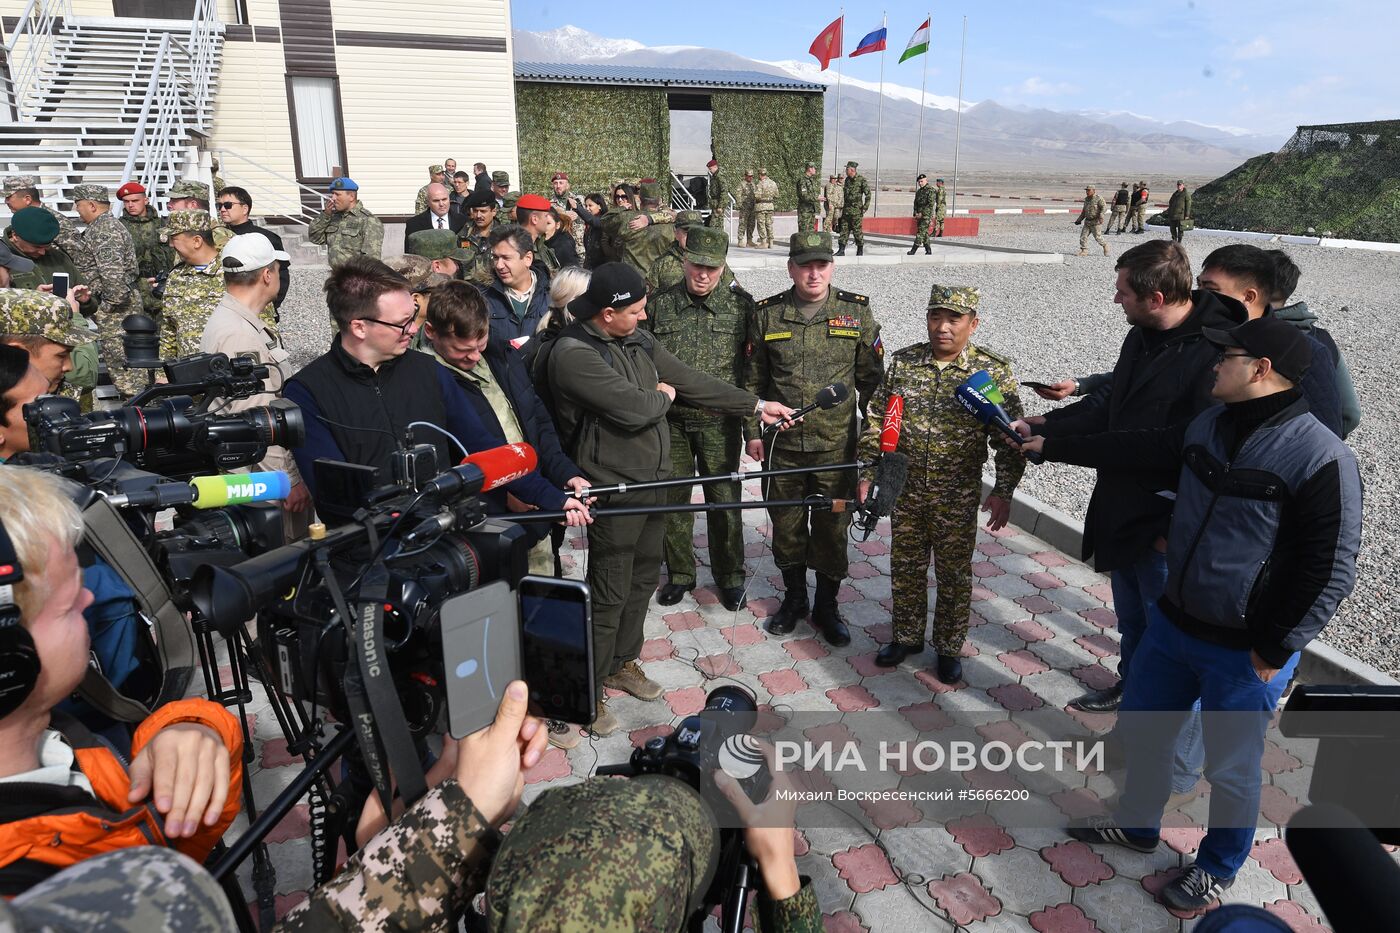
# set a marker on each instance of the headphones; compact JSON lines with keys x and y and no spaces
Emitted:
{"x":19,"y":660}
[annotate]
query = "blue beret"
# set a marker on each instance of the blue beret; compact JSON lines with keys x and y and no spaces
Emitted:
{"x":344,"y":184}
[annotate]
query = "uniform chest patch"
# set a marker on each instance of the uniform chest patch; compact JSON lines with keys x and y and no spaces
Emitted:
{"x":779,"y":335}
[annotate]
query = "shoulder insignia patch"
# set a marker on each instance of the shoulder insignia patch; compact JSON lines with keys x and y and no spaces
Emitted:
{"x":852,"y":297}
{"x":771,"y":300}
{"x":995,"y":357}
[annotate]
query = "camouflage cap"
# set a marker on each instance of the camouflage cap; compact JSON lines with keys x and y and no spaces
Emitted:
{"x":35,"y":225}
{"x":606,"y":854}
{"x":413,"y":267}
{"x":809,"y":247}
{"x":650,"y":191}
{"x":689,"y":218}
{"x":189,"y":188}
{"x":853,"y":164}
{"x":748,"y":172}
{"x":810,"y":165}
{"x":501,"y":178}
{"x":960,"y":298}
{"x":99,"y":193}
{"x":15,"y":183}
{"x":435,"y":244}
{"x":435,"y":169}
{"x":763,"y":171}
{"x":185,"y":222}
{"x":706,"y":246}
{"x":511,"y":199}
{"x":25,"y":311}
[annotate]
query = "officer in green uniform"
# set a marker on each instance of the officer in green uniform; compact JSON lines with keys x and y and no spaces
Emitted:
{"x":22,"y":191}
{"x":154,"y":259}
{"x":435,"y":176}
{"x":441,"y":249}
{"x":800,"y":340}
{"x":669,"y":269}
{"x":67,"y":353}
{"x":346,"y":228}
{"x":809,"y":196}
{"x":505,"y":214}
{"x":480,"y":208}
{"x":923,"y":212}
{"x":716,"y":196}
{"x":704,"y":323}
{"x":748,"y":220}
{"x":946,"y":448}
{"x":940,"y":206}
{"x":856,"y":203}
{"x":644,"y":243}
{"x":115,"y":283}
{"x":1091,"y":215}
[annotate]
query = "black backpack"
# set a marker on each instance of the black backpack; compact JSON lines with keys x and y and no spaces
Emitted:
{"x":539,"y":372}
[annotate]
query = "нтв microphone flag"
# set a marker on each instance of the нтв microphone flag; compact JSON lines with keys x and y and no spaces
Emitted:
{"x":827,"y":44}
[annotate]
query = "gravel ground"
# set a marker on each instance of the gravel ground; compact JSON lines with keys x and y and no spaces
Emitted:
{"x":1060,"y":320}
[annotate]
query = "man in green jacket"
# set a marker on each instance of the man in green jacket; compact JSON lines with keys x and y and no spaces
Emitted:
{"x":613,"y":387}
{"x":346,"y":228}
{"x":1178,"y":210}
{"x":154,"y":259}
{"x":857,"y":202}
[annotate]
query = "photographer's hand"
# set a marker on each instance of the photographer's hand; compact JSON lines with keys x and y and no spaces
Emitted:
{"x":185,"y":768}
{"x":578,"y":484}
{"x":491,"y":764}
{"x":769,"y":827}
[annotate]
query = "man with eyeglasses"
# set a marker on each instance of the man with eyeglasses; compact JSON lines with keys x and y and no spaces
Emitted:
{"x":235,"y":207}
{"x":361,"y":398}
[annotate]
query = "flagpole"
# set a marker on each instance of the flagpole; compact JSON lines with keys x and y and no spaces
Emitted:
{"x":880,"y":117}
{"x":957,"y":133}
{"x":836,"y":138}
{"x":923,"y":105}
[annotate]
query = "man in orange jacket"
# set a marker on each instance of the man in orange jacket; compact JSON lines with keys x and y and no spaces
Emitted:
{"x":65,"y":795}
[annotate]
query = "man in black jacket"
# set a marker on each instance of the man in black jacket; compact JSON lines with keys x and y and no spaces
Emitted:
{"x":235,"y":204}
{"x":440,"y":214}
{"x":1163,"y":376}
{"x":518,"y":296}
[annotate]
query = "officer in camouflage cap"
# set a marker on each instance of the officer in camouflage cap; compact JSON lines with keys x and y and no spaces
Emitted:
{"x":809,"y":197}
{"x":441,"y":249}
{"x":65,"y":350}
{"x":923,"y":213}
{"x":154,"y":259}
{"x":188,"y":195}
{"x":716,"y":195}
{"x":435,"y":176}
{"x":500,"y":184}
{"x":744,"y":203}
{"x":704,"y":322}
{"x":801,"y":340}
{"x":1090,"y":216}
{"x":669,"y":269}
{"x":646,"y":234}
{"x":347,"y":228}
{"x":195,"y":286}
{"x":946,"y":447}
{"x":765,"y":199}
{"x":421,"y":279}
{"x":856,"y":201}
{"x":115,"y":286}
{"x":505,"y":214}
{"x":22,"y":191}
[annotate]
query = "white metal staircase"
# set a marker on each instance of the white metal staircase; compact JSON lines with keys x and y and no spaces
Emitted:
{"x":107,"y":100}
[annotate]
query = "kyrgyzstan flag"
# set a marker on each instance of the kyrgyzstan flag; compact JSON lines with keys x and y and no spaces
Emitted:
{"x":873,"y":42}
{"x":827,"y":45}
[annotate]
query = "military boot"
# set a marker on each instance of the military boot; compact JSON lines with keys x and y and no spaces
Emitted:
{"x":913,"y":249}
{"x":841,"y":251}
{"x":795,"y":605}
{"x":860,"y":249}
{"x":825,"y":617}
{"x":928,"y":250}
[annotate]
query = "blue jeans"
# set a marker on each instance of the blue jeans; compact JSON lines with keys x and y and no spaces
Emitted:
{"x":1172,"y":671}
{"x":1136,"y":590}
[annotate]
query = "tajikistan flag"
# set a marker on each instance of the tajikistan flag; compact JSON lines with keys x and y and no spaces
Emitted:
{"x":918,"y":44}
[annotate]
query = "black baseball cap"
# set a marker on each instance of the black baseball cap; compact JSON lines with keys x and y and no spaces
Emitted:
{"x":1283,"y":345}
{"x":613,"y":285}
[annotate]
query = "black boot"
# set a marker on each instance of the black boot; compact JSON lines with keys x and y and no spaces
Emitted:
{"x":928,"y":251}
{"x":841,"y":251}
{"x":913,"y":249}
{"x":795,"y":606}
{"x":860,"y":249}
{"x":825,"y":617}
{"x":1100,"y":701}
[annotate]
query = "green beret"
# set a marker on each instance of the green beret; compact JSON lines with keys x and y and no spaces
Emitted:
{"x":810,"y":246}
{"x":26,"y":312}
{"x":186,"y":222}
{"x":98,"y":193}
{"x":35,"y":225}
{"x":960,"y":298}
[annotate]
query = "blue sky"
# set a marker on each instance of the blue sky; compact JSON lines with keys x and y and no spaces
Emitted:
{"x":1260,"y":66}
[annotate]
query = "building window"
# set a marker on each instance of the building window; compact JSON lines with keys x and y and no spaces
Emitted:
{"x":317,"y":125}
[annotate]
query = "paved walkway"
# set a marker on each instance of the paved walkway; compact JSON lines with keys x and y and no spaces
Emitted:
{"x":1043,"y":631}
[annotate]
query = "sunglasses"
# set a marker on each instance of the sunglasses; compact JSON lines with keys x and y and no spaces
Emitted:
{"x":229,"y":205}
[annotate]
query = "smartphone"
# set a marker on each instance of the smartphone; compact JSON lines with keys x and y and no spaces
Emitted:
{"x":1034,"y":385}
{"x":557,"y":648}
{"x":60,"y":284}
{"x":480,"y":653}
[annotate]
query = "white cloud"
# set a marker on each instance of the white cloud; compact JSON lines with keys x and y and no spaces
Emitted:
{"x":1036,"y":86}
{"x":1258,"y":48}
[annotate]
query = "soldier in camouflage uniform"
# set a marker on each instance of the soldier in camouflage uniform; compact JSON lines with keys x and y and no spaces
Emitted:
{"x":568,"y":205}
{"x":1090,"y":216}
{"x":195,"y":286}
{"x":480,"y":209}
{"x":747,"y":218}
{"x":33,"y":234}
{"x":22,"y":191}
{"x":809,"y":196}
{"x":923,"y":213}
{"x":765,"y":198}
{"x":940,"y":206}
{"x":189,"y":194}
{"x":856,"y":201}
{"x":644,"y":235}
{"x":346,"y":228}
{"x":716,"y":196}
{"x":154,"y":259}
{"x":669,"y":270}
{"x":704,"y":323}
{"x":835,"y":194}
{"x":800,"y":340}
{"x":67,"y":338}
{"x":115,"y":286}
{"x":946,"y":448}
{"x":435,"y":176}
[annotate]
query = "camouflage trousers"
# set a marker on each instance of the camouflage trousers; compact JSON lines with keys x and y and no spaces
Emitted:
{"x":717,"y":218}
{"x":920,"y":229}
{"x":748,"y":220}
{"x":1119,"y":216}
{"x":109,"y":343}
{"x":706,"y":451}
{"x":852,"y":226}
{"x":1139,"y":218}
{"x":933,"y":516}
{"x":624,"y":563}
{"x":810,"y":537}
{"x":938,"y":219}
{"x":765,"y":228}
{"x":806,"y":220}
{"x":1090,"y":229}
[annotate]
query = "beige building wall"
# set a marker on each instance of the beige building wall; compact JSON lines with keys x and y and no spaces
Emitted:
{"x":251,"y":125}
{"x":467,"y":18}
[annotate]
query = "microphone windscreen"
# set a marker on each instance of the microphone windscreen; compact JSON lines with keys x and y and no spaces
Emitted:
{"x":983,"y":382}
{"x":890,"y":477}
{"x":832,"y":395}
{"x":212,"y":492}
{"x":504,"y":464}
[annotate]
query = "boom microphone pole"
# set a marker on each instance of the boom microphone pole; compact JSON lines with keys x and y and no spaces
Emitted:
{"x":735,"y":477}
{"x":835,"y":506}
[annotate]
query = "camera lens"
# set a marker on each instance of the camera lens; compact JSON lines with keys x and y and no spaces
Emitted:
{"x":140,"y":342}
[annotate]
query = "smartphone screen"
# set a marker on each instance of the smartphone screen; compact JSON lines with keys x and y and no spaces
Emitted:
{"x":60,"y":284}
{"x":480,"y":653}
{"x":557,"y":649}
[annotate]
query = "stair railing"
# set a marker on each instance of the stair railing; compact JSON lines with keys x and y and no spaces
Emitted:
{"x":271,"y":202}
{"x":29,"y":50}
{"x":681,"y":198}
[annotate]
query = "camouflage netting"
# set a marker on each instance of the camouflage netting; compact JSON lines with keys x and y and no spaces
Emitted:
{"x":781,"y":132}
{"x":1341,"y":180}
{"x":594,"y":133}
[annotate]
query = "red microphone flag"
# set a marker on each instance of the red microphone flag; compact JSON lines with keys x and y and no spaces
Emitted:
{"x":504,"y":464}
{"x":894,"y":423}
{"x":827,"y":44}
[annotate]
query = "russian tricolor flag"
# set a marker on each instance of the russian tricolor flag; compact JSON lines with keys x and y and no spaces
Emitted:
{"x":873,"y":42}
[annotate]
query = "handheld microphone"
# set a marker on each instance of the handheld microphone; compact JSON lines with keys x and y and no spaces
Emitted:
{"x":894,"y":423}
{"x":891,"y":471}
{"x":827,"y":397}
{"x":973,"y":396}
{"x":210,"y":492}
{"x":485,"y":471}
